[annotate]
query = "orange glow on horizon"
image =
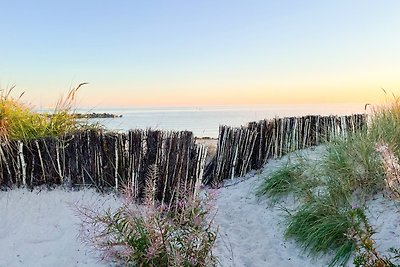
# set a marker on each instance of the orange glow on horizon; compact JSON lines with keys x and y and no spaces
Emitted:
{"x":208,"y":93}
{"x":237,"y":97}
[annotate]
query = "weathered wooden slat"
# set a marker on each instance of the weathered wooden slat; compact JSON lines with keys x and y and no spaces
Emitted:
{"x":106,"y":161}
{"x":244,"y":148}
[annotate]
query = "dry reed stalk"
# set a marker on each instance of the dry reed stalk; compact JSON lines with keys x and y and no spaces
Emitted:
{"x":391,"y":167}
{"x":22,"y":162}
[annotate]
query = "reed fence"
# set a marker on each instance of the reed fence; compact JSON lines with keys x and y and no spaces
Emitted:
{"x":104,"y":160}
{"x":241,"y":149}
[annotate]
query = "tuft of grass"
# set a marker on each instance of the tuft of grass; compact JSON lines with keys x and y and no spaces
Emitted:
{"x":343,"y":254}
{"x":282,"y":181}
{"x":385,"y":124}
{"x":352,"y":166}
{"x":320,"y":227}
{"x":292,"y":178}
{"x":19,"y":121}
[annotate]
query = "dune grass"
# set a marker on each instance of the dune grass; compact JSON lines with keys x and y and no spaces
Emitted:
{"x":349,"y":173}
{"x":19,"y":121}
{"x":352,"y":168}
{"x":319,"y":226}
{"x":291,"y":178}
{"x":385,"y":124}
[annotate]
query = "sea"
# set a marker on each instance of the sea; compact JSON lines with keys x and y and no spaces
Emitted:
{"x":205,"y":121}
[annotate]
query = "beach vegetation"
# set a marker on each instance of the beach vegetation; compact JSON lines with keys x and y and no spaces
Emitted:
{"x":352,"y":166}
{"x":290,"y":178}
{"x":20,"y":121}
{"x":319,"y":226}
{"x":385,"y":124}
{"x":352,"y":170}
{"x":180,"y":233}
{"x":366,"y":253}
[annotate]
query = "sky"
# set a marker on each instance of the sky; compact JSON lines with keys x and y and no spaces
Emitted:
{"x":194,"y":53}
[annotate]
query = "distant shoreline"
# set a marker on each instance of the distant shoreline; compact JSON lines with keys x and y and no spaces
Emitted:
{"x":206,"y":121}
{"x":93,"y":115}
{"x":96,"y":115}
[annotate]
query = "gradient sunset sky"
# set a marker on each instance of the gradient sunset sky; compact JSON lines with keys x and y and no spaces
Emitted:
{"x":201,"y":52}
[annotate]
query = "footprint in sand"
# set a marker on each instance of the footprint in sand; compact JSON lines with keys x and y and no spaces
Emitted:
{"x":46,"y":235}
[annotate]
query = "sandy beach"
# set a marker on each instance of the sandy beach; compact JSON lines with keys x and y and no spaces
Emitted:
{"x":40,"y":227}
{"x":251,"y":228}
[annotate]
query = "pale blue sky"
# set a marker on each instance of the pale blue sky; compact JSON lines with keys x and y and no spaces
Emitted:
{"x":200,"y":52}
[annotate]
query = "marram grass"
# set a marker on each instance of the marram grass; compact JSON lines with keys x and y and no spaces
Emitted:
{"x":19,"y":121}
{"x":292,"y":178}
{"x":353,"y":166}
{"x":385,"y":124}
{"x":320,"y":227}
{"x":282,"y":181}
{"x":349,"y":173}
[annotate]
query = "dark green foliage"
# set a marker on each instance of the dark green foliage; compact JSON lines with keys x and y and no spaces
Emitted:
{"x":319,"y":226}
{"x":343,"y":253}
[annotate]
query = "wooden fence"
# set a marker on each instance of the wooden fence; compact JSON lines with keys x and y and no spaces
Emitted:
{"x":240,"y":150}
{"x":106,"y":160}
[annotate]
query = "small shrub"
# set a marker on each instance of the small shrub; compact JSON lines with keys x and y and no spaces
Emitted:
{"x":178,"y":234}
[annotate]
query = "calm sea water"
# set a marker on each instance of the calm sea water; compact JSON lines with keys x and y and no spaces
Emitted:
{"x":204,"y":121}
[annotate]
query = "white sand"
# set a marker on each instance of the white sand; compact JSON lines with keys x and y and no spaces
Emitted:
{"x":41,"y":228}
{"x":251,"y":229}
